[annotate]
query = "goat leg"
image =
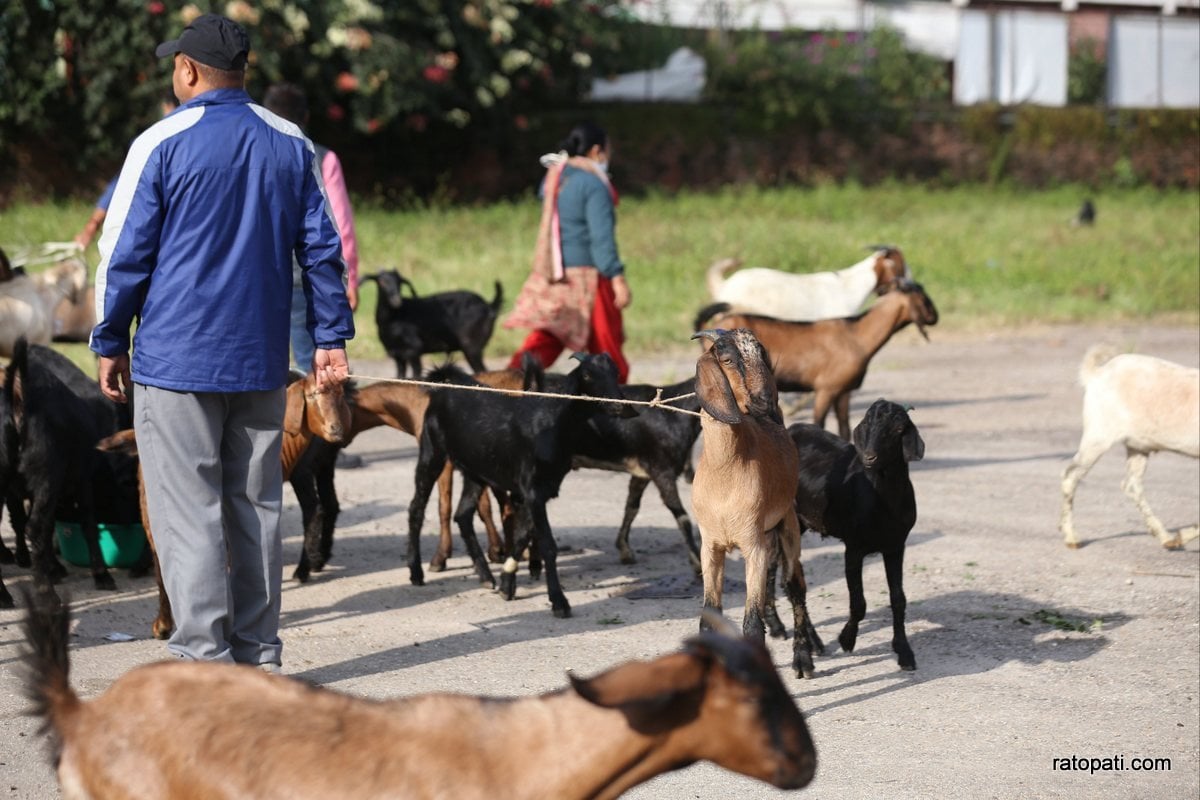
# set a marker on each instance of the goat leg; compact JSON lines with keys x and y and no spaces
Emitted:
{"x":6,"y":600}
{"x":858,"y":602}
{"x":669,"y":492}
{"x":517,"y":534}
{"x":1074,"y":473}
{"x":633,"y":502}
{"x":429,"y":464}
{"x":445,"y":540}
{"x":712,"y":556}
{"x":1135,"y":470}
{"x":548,"y":550}
{"x":495,"y":546}
{"x":100,"y":575}
{"x":465,"y":517}
{"x":19,"y":520}
{"x":774,"y":623}
{"x":841,"y":407}
{"x":893,"y":564}
{"x":327,"y":493}
{"x":310,"y":512}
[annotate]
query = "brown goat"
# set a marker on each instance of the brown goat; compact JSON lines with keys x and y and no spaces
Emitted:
{"x":830,"y":357}
{"x":745,"y":485}
{"x":719,"y":699}
{"x":308,"y":412}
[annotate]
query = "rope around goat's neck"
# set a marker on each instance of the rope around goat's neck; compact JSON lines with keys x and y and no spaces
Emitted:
{"x":658,"y":402}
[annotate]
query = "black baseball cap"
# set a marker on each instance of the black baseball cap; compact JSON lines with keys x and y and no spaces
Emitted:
{"x":211,"y":39}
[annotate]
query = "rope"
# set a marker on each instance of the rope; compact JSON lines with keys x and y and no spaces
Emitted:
{"x":658,"y":402}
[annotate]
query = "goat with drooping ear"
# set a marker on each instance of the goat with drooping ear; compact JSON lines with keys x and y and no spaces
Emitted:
{"x":745,"y":484}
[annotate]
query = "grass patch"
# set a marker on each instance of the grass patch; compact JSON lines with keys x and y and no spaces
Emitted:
{"x":987,"y":256}
{"x":1064,"y":623}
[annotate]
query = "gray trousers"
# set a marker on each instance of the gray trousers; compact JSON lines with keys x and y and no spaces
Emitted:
{"x":214,"y":490}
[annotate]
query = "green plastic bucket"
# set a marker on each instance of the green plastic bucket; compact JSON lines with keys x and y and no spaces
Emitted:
{"x":121,"y":545}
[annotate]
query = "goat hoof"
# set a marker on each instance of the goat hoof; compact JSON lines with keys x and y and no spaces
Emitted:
{"x":161,"y":632}
{"x":1173,"y":544}
{"x":437,"y":565}
{"x":495,"y":556}
{"x":847,"y":641}
{"x":105,"y":582}
{"x":628,"y":558}
{"x":301,"y":575}
{"x":562,"y":612}
{"x":416,"y":577}
{"x":805,"y":669}
{"x":1072,"y":545}
{"x":508,"y":585}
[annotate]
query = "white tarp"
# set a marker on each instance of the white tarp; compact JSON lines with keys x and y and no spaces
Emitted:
{"x":680,"y":80}
{"x":1154,"y":62}
{"x":1011,"y":57}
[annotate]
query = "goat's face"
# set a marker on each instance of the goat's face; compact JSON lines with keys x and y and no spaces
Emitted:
{"x":722,"y":700}
{"x":597,"y":375}
{"x":390,"y":285}
{"x":921,"y":310}
{"x":67,"y":278}
{"x":325,"y":412}
{"x":734,"y":378}
{"x":884,"y":429}
{"x":890,"y":268}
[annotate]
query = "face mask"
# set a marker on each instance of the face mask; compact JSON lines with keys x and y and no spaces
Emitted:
{"x":602,"y":166}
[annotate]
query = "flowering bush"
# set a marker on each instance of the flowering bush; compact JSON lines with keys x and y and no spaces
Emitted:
{"x":847,"y":81}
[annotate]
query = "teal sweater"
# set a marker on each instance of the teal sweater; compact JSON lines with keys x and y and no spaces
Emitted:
{"x":587,"y":223}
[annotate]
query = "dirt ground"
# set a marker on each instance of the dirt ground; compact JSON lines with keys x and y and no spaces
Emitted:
{"x":1001,"y":689}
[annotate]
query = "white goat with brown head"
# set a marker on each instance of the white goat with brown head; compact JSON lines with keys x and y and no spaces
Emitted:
{"x":745,"y":486}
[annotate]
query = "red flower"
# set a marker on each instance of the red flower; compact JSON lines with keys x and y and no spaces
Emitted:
{"x":335,"y":112}
{"x":372,"y":125}
{"x":346,"y":82}
{"x":155,"y":7}
{"x":435,"y":74}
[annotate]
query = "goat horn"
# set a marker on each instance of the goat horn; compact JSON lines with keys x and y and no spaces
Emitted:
{"x":717,"y":622}
{"x":712,"y":334}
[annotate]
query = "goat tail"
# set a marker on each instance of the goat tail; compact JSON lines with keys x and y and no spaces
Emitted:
{"x":1097,"y":356}
{"x":498,"y":299}
{"x":716,"y":274}
{"x":47,"y":664}
{"x":707,"y":313}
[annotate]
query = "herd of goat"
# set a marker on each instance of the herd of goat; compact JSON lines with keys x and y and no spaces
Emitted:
{"x":67,"y":453}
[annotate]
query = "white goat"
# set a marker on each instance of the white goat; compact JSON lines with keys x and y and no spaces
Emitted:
{"x":30,"y":304}
{"x":809,"y":296}
{"x":1149,"y":405}
{"x":744,"y":492}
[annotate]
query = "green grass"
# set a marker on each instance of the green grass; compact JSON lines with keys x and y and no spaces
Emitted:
{"x":987,"y":256}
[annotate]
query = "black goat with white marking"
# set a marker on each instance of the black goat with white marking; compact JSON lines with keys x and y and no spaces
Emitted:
{"x":861,"y":493}
{"x":437,"y":323}
{"x":520,"y":445}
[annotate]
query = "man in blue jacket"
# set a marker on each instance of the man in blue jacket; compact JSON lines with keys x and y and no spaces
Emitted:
{"x":211,"y":205}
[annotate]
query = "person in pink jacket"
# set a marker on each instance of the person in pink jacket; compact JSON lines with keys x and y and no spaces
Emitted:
{"x":288,"y":101}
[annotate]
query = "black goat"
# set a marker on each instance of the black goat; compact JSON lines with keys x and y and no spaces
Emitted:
{"x":653,"y":446}
{"x":54,"y":415}
{"x":861,"y":493}
{"x":439,"y":323}
{"x":520,"y":445}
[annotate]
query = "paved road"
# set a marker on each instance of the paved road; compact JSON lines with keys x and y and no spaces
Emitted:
{"x":999,"y":691}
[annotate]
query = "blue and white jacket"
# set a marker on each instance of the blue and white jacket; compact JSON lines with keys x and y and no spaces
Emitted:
{"x":212,"y":203}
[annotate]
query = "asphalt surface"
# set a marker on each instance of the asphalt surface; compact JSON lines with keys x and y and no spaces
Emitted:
{"x":1027,"y":652}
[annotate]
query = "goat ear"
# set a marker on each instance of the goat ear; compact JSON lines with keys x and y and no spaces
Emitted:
{"x":293,"y":414}
{"x":643,"y":683}
{"x":912,"y":444}
{"x":712,"y":387}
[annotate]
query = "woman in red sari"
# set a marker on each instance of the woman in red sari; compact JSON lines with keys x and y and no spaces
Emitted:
{"x":576,"y":291}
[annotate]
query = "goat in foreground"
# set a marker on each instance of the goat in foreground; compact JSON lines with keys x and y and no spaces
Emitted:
{"x":861,"y":493}
{"x":809,"y":296}
{"x":1147,"y":404}
{"x":745,"y":486}
{"x":719,"y":699}
{"x":830,"y":357}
